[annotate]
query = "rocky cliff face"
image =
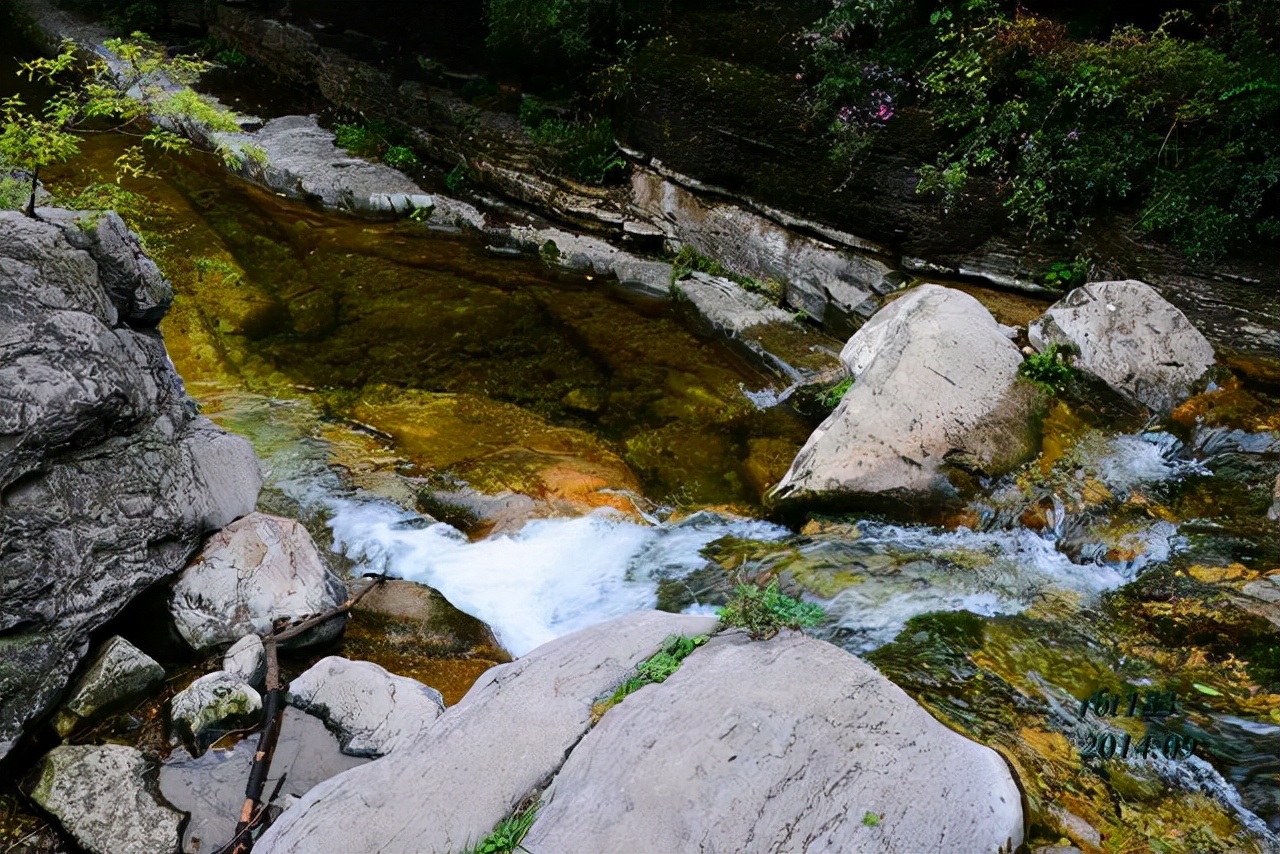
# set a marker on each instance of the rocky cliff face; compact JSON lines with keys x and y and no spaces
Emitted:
{"x":109,"y":479}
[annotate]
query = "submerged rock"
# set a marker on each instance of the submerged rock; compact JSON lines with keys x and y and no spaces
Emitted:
{"x":1131,"y":338}
{"x":212,"y":706}
{"x":781,"y":745}
{"x":120,"y":673}
{"x":373,"y":711}
{"x":509,"y":734}
{"x":109,"y":478}
{"x":936,"y":384}
{"x":100,"y":796}
{"x":249,"y":575}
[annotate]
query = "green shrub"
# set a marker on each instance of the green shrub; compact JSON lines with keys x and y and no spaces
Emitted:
{"x":1048,"y":370}
{"x":764,"y":612}
{"x":400,"y":157}
{"x":1066,"y":274}
{"x":506,"y":836}
{"x":540,"y":33}
{"x":13,"y":193}
{"x":364,"y":140}
{"x":1176,"y":121}
{"x":231,"y":57}
{"x":583,"y":150}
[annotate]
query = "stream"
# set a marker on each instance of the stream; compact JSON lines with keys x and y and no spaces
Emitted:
{"x":550,"y":451}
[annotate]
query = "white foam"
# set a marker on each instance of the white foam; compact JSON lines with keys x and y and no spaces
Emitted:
{"x":552,"y":577}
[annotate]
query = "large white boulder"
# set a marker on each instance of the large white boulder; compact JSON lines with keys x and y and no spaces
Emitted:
{"x":935,"y":382}
{"x":372,"y":711}
{"x":1131,"y":338}
{"x":474,"y":765}
{"x":253,"y":572}
{"x":784,"y":745}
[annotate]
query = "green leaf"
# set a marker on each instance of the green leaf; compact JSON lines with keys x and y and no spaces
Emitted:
{"x":1205,"y":689}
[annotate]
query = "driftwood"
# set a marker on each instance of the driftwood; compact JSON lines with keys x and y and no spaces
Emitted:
{"x":254,"y":811}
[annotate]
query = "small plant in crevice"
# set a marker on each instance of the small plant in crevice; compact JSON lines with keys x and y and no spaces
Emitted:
{"x":400,"y":157}
{"x":765,"y":612}
{"x":508,"y":833}
{"x":689,"y":260}
{"x":1048,"y":370}
{"x":375,"y":140}
{"x":675,"y":649}
{"x":870,"y":819}
{"x":829,"y":398}
{"x":456,"y":177}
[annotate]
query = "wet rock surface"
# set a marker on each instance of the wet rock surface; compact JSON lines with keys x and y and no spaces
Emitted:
{"x":101,"y":796}
{"x":121,"y":672}
{"x":935,"y":383}
{"x":1130,"y":337}
{"x":249,"y":575}
{"x":374,"y":712}
{"x":109,"y":478}
{"x":773,"y":746}
{"x":508,"y":734}
{"x":212,"y":706}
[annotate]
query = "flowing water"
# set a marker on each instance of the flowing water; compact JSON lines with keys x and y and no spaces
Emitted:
{"x":395,"y":379}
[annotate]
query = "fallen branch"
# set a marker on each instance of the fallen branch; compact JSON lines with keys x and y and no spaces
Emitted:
{"x":254,"y":811}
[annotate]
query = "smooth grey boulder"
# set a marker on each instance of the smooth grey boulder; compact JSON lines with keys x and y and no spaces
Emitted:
{"x":212,"y":706}
{"x":256,"y":571}
{"x":509,"y":734}
{"x":120,"y":673}
{"x":247,"y":660}
{"x":101,"y":797}
{"x":779,"y":745}
{"x":935,"y":383}
{"x":1131,"y":338}
{"x":373,"y":712}
{"x":109,"y":479}
{"x":585,"y":254}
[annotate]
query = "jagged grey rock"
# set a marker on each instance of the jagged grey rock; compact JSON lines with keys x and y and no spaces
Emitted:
{"x":374,"y":712}
{"x":250,"y":574}
{"x":781,"y":745}
{"x":1274,"y":513}
{"x":506,"y":736}
{"x":212,"y":706}
{"x":120,"y":673}
{"x":727,"y":306}
{"x":101,"y":797}
{"x":1131,"y":338}
{"x":108,"y":477}
{"x":936,"y":382}
{"x":247,"y":660}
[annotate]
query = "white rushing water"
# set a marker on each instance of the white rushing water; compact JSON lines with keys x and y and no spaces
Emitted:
{"x":557,"y":575}
{"x":552,"y":577}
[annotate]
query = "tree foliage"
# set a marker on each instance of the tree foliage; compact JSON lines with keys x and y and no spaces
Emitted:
{"x":143,"y":92}
{"x":1177,"y":121}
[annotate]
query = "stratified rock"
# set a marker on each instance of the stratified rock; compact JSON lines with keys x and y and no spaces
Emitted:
{"x":784,"y":745}
{"x":100,"y":796}
{"x":1274,"y":513}
{"x":373,"y":712}
{"x":120,"y":673}
{"x":726,"y":305}
{"x":109,"y":478}
{"x":250,"y":574}
{"x":510,"y":733}
{"x":936,"y":382}
{"x":247,"y":660}
{"x":1131,"y":338}
{"x":212,"y":706}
